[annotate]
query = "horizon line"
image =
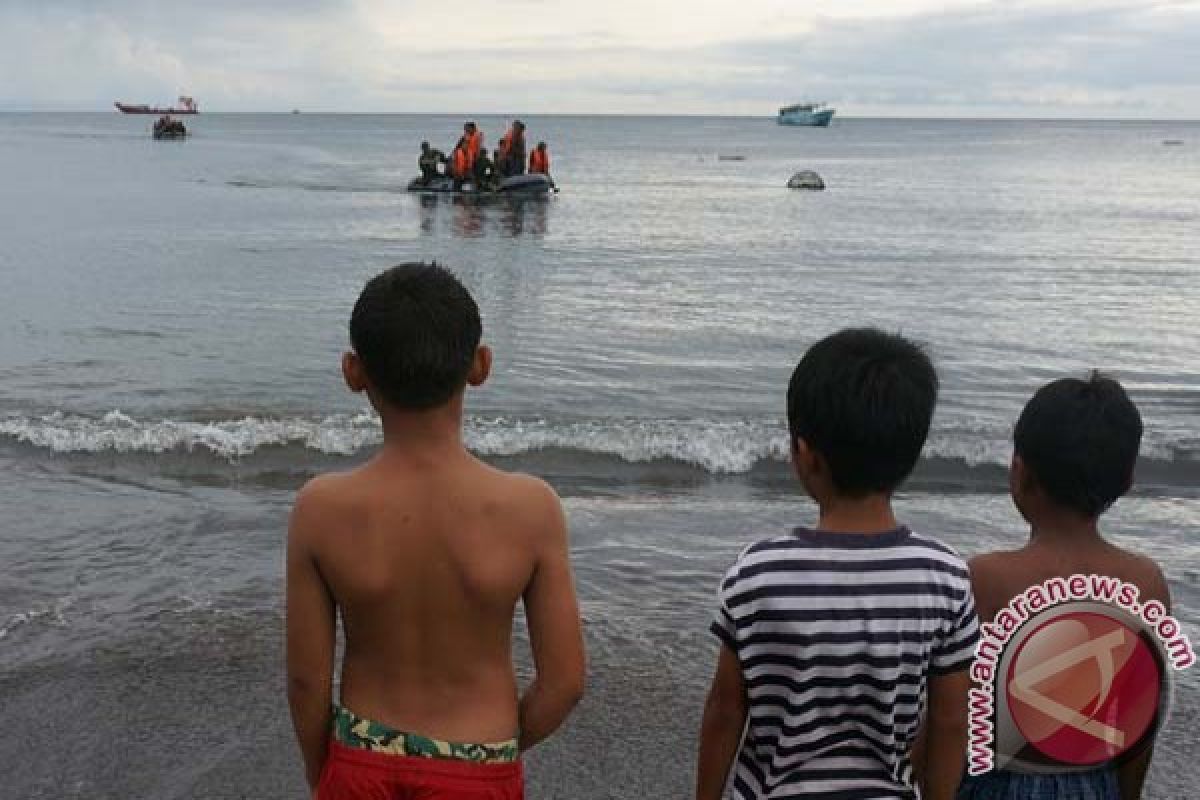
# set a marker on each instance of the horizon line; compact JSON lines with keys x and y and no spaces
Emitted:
{"x":685,"y":114}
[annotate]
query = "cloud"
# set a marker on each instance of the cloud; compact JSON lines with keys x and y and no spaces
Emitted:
{"x":1053,"y":57}
{"x":239,"y":55}
{"x":1033,"y":56}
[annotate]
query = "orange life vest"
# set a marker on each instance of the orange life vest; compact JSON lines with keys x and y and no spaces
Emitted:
{"x":509,"y":140}
{"x":539,"y":162}
{"x":458,"y":163}
{"x":472,"y":143}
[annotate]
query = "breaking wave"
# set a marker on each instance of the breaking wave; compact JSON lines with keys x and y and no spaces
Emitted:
{"x":716,"y":446}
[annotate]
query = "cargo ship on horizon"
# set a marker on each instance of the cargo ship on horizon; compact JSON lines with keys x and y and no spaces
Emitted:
{"x":186,"y":106}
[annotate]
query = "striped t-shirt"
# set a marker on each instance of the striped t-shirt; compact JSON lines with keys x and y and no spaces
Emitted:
{"x":836,"y":634}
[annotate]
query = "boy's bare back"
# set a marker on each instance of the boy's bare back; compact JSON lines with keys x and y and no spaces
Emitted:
{"x":427,"y":559}
{"x":1075,"y":447}
{"x":425,"y":552}
{"x":996,"y":578}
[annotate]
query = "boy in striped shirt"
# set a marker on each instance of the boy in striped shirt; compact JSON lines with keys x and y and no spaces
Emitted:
{"x":844,"y":645}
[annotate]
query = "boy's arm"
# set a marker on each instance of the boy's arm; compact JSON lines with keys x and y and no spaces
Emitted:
{"x":311,"y":630}
{"x":1131,"y":775}
{"x":919,"y":755}
{"x":555,"y":632}
{"x":721,"y":728}
{"x":945,"y":735}
{"x":940,"y":754}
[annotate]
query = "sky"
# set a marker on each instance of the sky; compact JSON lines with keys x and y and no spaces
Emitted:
{"x":941,"y":58}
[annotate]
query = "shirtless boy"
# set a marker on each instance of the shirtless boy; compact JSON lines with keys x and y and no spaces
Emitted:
{"x":1075,"y":446}
{"x":425,"y":551}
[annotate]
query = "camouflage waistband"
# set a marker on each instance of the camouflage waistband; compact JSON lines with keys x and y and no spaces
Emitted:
{"x":352,"y":730}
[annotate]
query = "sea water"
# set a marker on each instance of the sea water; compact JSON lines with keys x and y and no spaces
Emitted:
{"x":172,"y":316}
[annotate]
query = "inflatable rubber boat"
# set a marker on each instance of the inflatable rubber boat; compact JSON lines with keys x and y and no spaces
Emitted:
{"x":523,"y":185}
{"x":173,"y":129}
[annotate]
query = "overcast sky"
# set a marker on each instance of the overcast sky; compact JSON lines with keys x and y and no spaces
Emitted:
{"x":1052,"y":58}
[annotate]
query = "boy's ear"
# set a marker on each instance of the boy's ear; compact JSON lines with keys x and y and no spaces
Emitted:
{"x":481,"y":367}
{"x":353,"y":372}
{"x":1020,"y":479}
{"x":805,"y":460}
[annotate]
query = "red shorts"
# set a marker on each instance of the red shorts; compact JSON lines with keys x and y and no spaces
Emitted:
{"x":351,"y":773}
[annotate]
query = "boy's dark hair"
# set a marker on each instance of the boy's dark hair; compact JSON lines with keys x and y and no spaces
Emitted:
{"x":863,"y":399}
{"x":1080,"y":440}
{"x":416,"y":328}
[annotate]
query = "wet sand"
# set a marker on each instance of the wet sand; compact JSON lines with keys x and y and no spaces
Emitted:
{"x":200,"y":719}
{"x":184,"y":720}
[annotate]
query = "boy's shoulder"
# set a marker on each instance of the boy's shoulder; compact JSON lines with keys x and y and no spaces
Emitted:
{"x":526,"y":508}
{"x":323,"y":490}
{"x":324,"y":499}
{"x":903,"y":537}
{"x":995,"y":559}
{"x":529,"y":497}
{"x":1145,"y":573}
{"x":525,"y":485}
{"x":333,"y":502}
{"x":996,"y":576}
{"x":513,"y":490}
{"x":1001,"y":574}
{"x":331,"y":491}
{"x":1117,"y":558}
{"x":1142,"y":571}
{"x":803,"y":547}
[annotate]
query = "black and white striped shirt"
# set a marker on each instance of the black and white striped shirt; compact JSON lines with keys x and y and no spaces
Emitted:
{"x":836,"y":634}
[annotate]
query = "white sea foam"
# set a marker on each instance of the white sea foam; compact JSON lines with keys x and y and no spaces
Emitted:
{"x":236,"y":438}
{"x":52,"y":613}
{"x":717,"y":446}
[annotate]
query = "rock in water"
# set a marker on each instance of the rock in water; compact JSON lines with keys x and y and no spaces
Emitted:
{"x":806,"y":179}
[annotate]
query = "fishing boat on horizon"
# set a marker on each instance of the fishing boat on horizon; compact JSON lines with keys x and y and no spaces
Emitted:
{"x":812,"y":115}
{"x":186,"y":106}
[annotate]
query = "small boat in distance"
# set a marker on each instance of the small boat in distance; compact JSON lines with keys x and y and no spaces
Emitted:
{"x":812,"y":115}
{"x":167,"y":128}
{"x":186,"y":106}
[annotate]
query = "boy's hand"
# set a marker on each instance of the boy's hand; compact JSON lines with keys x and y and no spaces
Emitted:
{"x":721,"y":729}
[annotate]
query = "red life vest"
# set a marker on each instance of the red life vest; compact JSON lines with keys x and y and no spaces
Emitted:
{"x":539,"y":162}
{"x":458,"y":163}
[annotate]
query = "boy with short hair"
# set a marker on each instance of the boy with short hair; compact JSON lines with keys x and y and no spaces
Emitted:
{"x":1075,"y":447}
{"x":840,"y":641}
{"x":425,"y":552}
